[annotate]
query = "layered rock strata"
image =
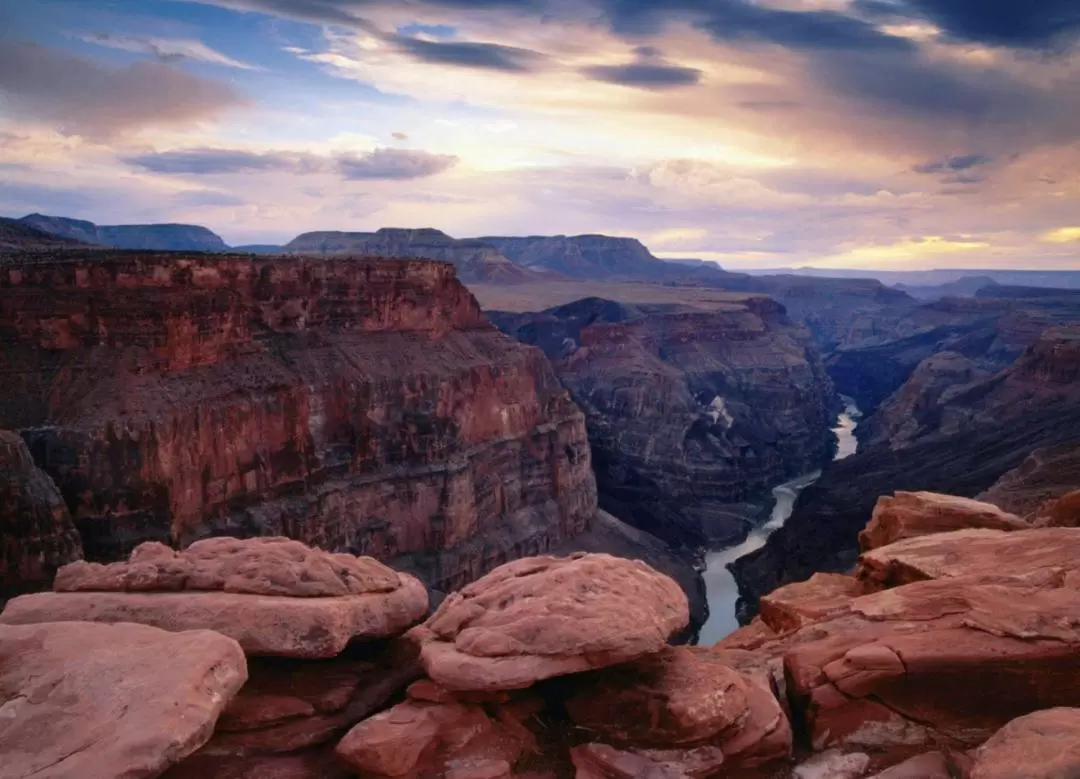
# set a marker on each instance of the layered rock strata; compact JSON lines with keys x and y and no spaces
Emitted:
{"x":37,"y":534}
{"x":694,"y":413}
{"x":354,"y":404}
{"x":997,"y":424}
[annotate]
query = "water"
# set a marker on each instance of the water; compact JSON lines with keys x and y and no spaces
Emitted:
{"x":719,"y":583}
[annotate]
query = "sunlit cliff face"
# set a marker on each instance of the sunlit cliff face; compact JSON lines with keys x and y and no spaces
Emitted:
{"x":870,"y":133}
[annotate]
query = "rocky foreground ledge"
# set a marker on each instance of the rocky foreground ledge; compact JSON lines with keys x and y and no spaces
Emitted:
{"x":951,"y":652}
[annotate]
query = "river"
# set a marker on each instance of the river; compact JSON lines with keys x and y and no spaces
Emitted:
{"x":720,"y":586}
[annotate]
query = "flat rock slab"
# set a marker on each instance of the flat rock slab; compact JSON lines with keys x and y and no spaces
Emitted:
{"x":263,"y":624}
{"x":541,"y":617}
{"x":984,"y":554}
{"x":1042,"y":745}
{"x":914,"y":514}
{"x":821,"y":596}
{"x":81,"y":700}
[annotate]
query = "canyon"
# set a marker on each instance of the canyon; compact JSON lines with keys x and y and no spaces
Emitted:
{"x":956,"y":408}
{"x":362,"y":405}
{"x":694,"y":412}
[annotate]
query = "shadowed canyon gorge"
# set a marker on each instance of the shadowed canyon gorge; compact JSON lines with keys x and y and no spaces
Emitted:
{"x":414,"y":506}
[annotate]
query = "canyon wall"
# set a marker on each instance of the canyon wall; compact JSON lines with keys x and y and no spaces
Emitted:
{"x":354,"y":404}
{"x":961,"y":443}
{"x":694,"y":413}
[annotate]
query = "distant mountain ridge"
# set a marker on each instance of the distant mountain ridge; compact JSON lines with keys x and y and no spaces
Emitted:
{"x":156,"y":237}
{"x":475,"y":259}
{"x":17,"y":236}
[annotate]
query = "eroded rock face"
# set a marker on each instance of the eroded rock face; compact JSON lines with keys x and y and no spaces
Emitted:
{"x":354,"y":404}
{"x":275,"y":596}
{"x":83,"y":699}
{"x":444,"y":738}
{"x":37,"y":535}
{"x":821,"y":596}
{"x":290,"y":714}
{"x":687,"y":700}
{"x":694,"y":412}
{"x":1048,"y":553}
{"x":1043,"y":745}
{"x":1030,"y":405}
{"x":547,"y":616}
{"x":912,"y":514}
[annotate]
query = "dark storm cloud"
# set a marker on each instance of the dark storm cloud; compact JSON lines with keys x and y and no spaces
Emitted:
{"x":485,"y":56}
{"x":650,"y":71}
{"x":394,"y":164}
{"x":743,"y":21}
{"x":84,"y":97}
{"x":388,"y":164}
{"x":957,"y":163}
{"x":1017,"y":23}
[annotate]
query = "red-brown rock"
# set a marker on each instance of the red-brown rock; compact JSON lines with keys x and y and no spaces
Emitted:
{"x":602,"y":761}
{"x":932,"y":765}
{"x":36,"y":532}
{"x":550,"y":616}
{"x":1061,"y":512}
{"x":683,"y":698}
{"x":935,"y":663}
{"x":1042,"y":745}
{"x":912,"y":514}
{"x":821,"y":596}
{"x":360,"y":405}
{"x":181,"y":592}
{"x":290,"y":705}
{"x":87,"y":700}
{"x":318,"y":763}
{"x":424,"y":740}
{"x":979,"y":554}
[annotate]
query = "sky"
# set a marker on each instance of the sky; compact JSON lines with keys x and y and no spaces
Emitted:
{"x":902,"y":134}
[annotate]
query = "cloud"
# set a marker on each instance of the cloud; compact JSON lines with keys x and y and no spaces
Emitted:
{"x":649,"y":71}
{"x":215,"y":161}
{"x":468,"y":54}
{"x":83,"y":97}
{"x":1062,"y":235}
{"x":400,"y":136}
{"x":1027,"y":24}
{"x":386,"y":164}
{"x":739,"y":20}
{"x":959,"y":162}
{"x":394,"y":164}
{"x":167,"y":49}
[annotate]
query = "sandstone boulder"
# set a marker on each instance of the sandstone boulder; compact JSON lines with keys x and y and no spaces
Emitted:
{"x":85,"y":700}
{"x":276,"y":597}
{"x":1042,"y":745}
{"x":935,"y":663}
{"x":913,"y":514}
{"x":1061,"y":512}
{"x":253,"y":566}
{"x":548,"y":616}
{"x":833,"y":764}
{"x":980,"y":554}
{"x":821,"y":596}
{"x":602,"y":761}
{"x":317,"y":763}
{"x":931,"y":765}
{"x":293,"y":705}
{"x":36,"y":532}
{"x":683,"y":698}
{"x":425,"y":739}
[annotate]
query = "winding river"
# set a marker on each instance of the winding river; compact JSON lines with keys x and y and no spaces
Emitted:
{"x":719,"y":583}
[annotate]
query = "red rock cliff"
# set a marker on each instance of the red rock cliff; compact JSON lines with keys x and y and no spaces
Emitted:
{"x":354,"y":404}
